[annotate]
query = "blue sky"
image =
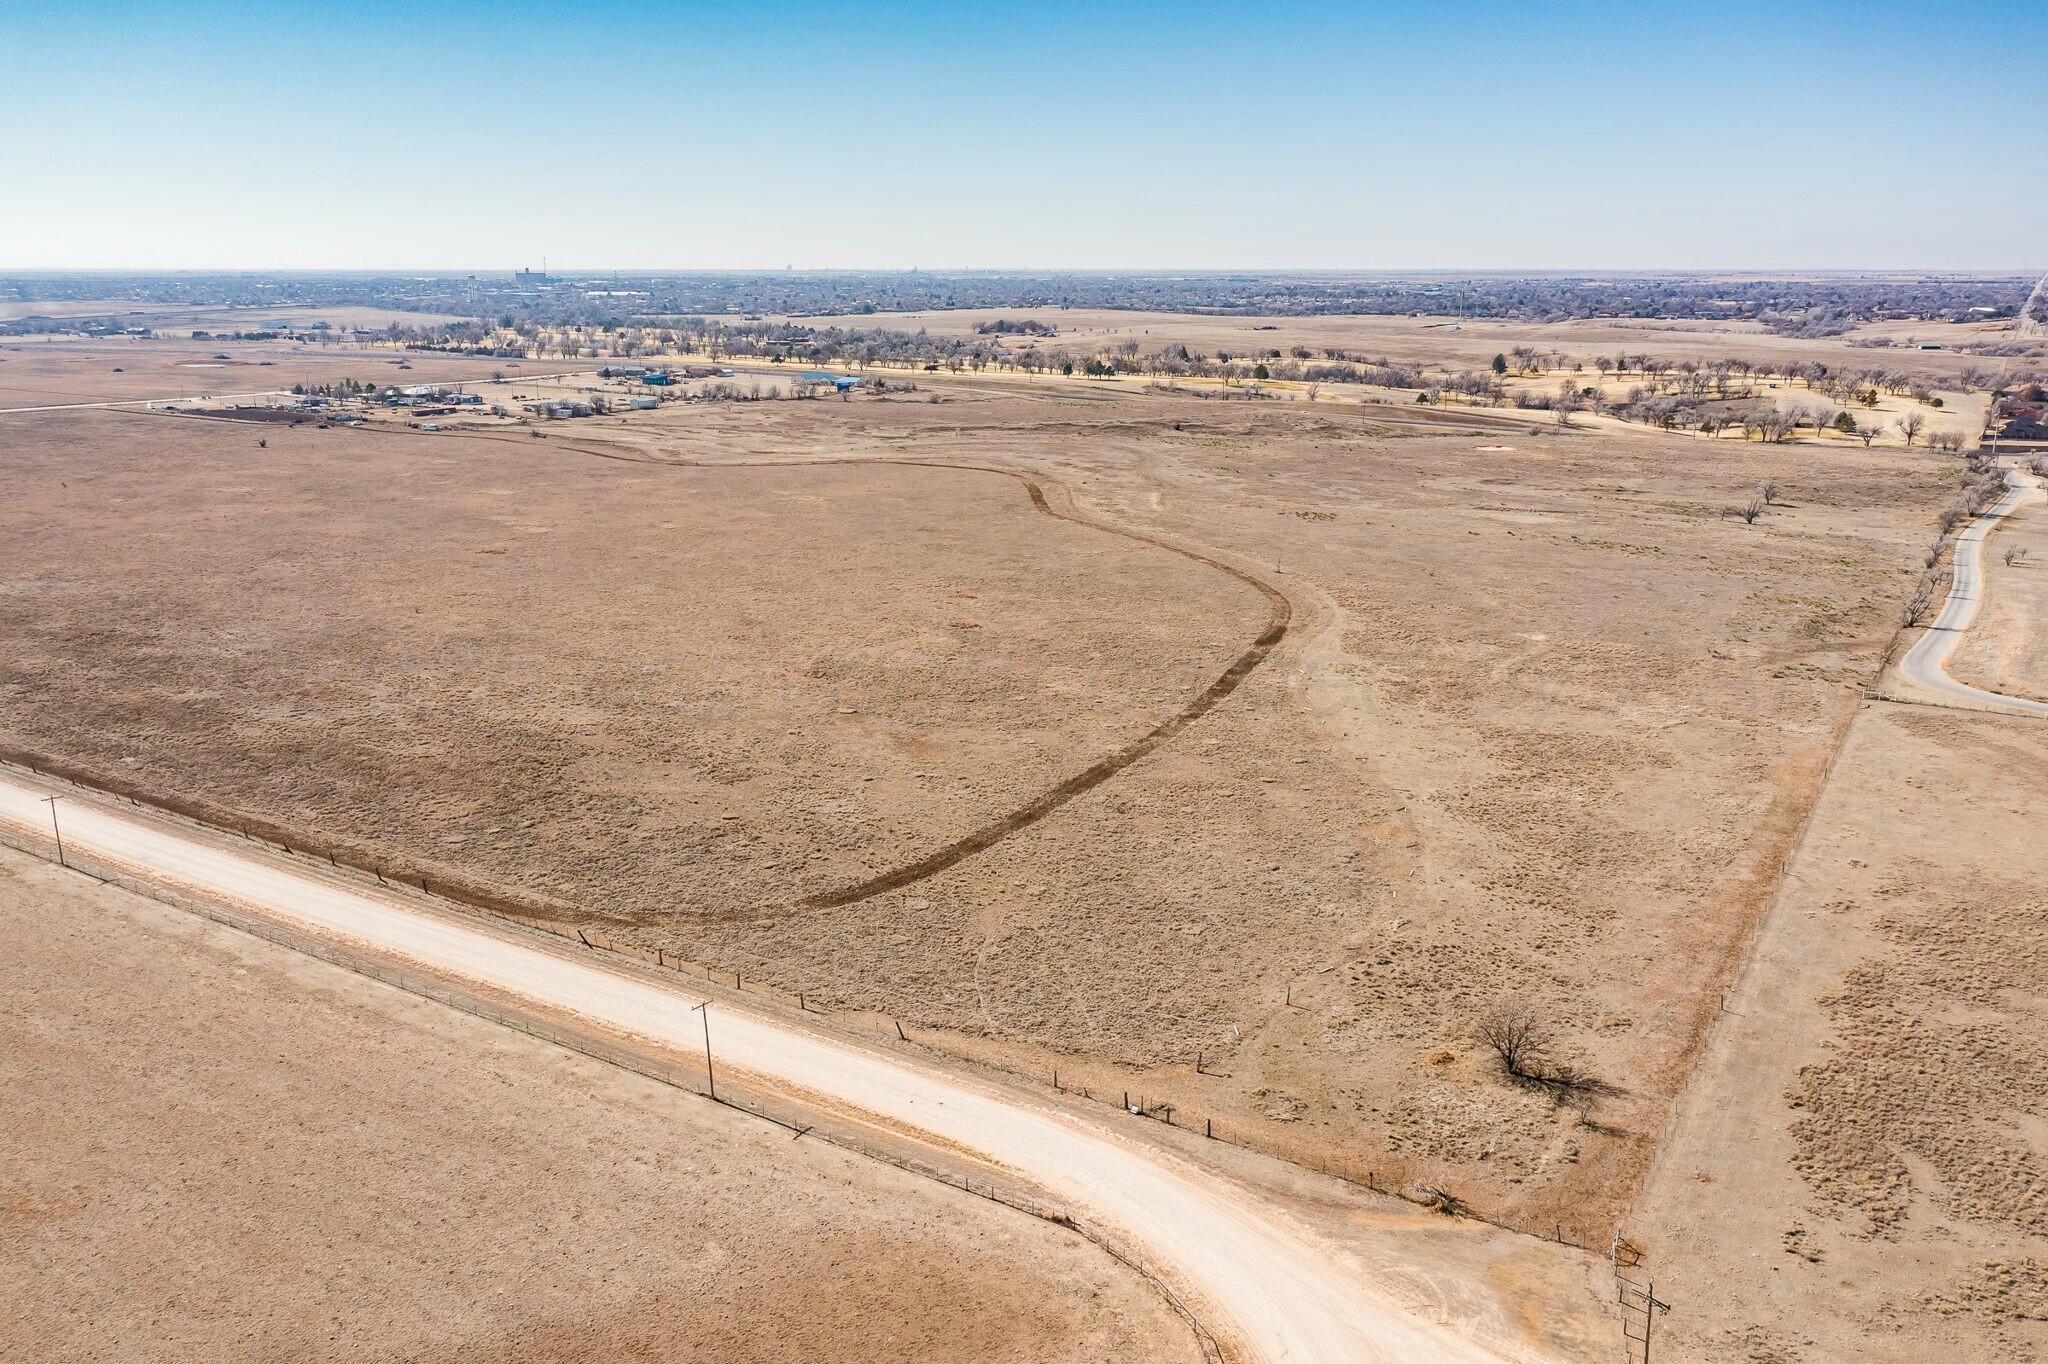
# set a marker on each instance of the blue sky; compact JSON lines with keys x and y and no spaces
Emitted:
{"x":952,"y":135}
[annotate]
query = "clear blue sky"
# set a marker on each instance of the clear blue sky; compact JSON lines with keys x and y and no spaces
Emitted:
{"x":1309,"y":135}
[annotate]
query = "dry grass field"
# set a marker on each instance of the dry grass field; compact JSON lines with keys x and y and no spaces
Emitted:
{"x":1861,"y":1170}
{"x":218,"y":1149}
{"x":36,"y":372}
{"x":1462,"y":343}
{"x":1542,"y":725}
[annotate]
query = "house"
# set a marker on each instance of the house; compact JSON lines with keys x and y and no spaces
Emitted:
{"x":821,"y":378}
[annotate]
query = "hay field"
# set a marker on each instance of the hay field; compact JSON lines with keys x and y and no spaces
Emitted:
{"x":1541,"y":725}
{"x":216,"y":1149}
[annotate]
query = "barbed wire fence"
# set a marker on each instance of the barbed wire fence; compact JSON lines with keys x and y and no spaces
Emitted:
{"x":1359,"y":1172}
{"x":676,"y":1074}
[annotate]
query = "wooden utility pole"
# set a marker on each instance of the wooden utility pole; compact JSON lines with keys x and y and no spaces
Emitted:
{"x":1640,"y":1298}
{"x":51,"y":801}
{"x":710,"y":1078}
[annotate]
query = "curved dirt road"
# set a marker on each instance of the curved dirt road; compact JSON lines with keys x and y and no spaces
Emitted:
{"x":1279,"y":617}
{"x":1264,"y":1285}
{"x":1925,"y":665}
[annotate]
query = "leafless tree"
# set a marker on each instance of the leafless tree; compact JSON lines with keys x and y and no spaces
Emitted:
{"x":1917,"y":607}
{"x":1751,"y":510}
{"x":2013,"y":555}
{"x":1910,"y":426}
{"x":1522,"y":1043}
{"x":1770,"y":492}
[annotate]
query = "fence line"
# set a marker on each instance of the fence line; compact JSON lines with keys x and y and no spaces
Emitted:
{"x":1358,"y":1172}
{"x":678,"y":1075}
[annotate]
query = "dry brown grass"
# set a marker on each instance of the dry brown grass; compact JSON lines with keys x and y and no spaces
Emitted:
{"x":41,"y":372}
{"x":216,"y":1149}
{"x":1863,"y":1158}
{"x":1544,"y":726}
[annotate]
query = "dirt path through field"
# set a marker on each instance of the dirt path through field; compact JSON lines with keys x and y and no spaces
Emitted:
{"x":1280,"y":616}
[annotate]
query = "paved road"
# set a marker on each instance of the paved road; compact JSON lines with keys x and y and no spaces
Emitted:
{"x":1258,"y":1279}
{"x":2029,"y":323}
{"x":1926,"y":663}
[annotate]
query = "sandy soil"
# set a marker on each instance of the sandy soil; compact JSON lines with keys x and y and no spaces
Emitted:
{"x":1861,"y":1169}
{"x":35,"y":373}
{"x":1460,"y":343}
{"x":216,"y":1149}
{"x":2005,"y":650}
{"x":1543,"y":724}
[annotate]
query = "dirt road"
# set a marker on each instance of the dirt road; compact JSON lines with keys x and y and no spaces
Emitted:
{"x":150,"y":402}
{"x":1926,"y":663}
{"x":1269,"y":1287}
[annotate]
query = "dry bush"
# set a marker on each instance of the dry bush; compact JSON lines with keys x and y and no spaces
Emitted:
{"x":1752,"y":510}
{"x":1444,"y":1201}
{"x":1770,"y":493}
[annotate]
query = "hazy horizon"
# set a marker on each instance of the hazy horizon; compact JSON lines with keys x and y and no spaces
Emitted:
{"x":1263,"y":272}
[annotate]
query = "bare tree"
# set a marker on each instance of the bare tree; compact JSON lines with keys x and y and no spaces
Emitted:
{"x":1514,"y":1035}
{"x":1770,"y":492}
{"x":1523,"y":1045}
{"x":1911,"y":425}
{"x":1916,"y":609}
{"x":1751,"y":510}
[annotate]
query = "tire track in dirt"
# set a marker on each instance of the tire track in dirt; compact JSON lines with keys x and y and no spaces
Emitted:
{"x":1280,"y":616}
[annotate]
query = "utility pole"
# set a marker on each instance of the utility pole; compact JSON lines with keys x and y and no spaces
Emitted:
{"x":51,"y":801}
{"x":1644,"y":1297}
{"x":710,"y":1079}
